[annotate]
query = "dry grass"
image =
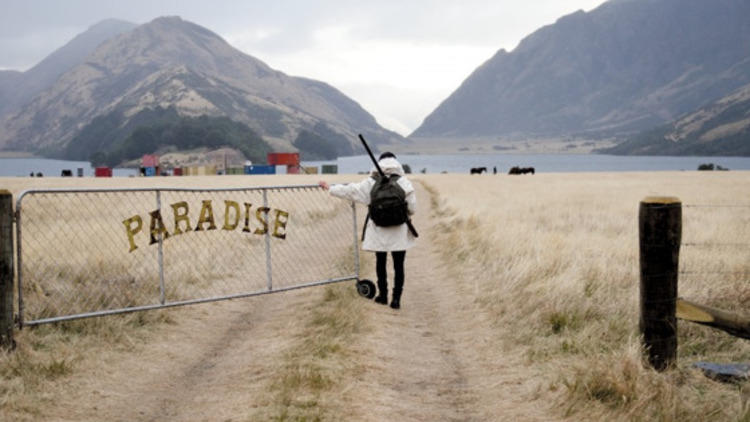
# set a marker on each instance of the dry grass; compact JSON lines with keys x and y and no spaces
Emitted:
{"x":106,"y":269}
{"x":553,"y":260}
{"x":317,"y":361}
{"x":550,"y":261}
{"x":33,"y":376}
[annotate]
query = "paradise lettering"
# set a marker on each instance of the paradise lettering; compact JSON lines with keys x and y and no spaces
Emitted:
{"x":206,"y":221}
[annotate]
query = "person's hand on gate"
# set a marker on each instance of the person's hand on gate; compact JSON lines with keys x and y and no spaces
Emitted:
{"x":323,"y":185}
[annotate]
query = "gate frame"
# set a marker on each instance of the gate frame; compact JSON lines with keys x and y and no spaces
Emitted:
{"x":163,"y":304}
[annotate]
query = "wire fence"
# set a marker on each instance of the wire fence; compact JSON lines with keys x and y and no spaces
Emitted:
{"x":96,"y":252}
{"x":715,"y":242}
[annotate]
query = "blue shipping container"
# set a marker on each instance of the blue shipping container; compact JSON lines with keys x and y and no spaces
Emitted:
{"x":150,"y":171}
{"x":255,"y":169}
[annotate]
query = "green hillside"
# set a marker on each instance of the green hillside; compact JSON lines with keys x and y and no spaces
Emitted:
{"x":112,"y":139}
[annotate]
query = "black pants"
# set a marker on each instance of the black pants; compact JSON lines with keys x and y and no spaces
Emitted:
{"x":398,"y":269}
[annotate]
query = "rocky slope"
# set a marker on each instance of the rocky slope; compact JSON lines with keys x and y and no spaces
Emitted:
{"x":170,"y":62}
{"x":626,"y":66}
{"x":720,"y":128}
{"x":18,"y":88}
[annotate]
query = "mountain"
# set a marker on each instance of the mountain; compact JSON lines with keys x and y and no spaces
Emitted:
{"x":623,"y":67}
{"x":18,"y":88}
{"x":8,"y":79}
{"x":720,"y":128}
{"x":171,"y":63}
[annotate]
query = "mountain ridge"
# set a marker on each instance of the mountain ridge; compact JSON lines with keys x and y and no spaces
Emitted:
{"x":620,"y":68}
{"x":173,"y":62}
{"x":26,"y":85}
{"x":719,"y":128}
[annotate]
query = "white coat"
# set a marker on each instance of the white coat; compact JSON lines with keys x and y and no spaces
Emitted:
{"x":382,"y":239}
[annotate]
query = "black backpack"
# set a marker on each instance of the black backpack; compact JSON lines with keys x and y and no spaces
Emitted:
{"x":387,"y":202}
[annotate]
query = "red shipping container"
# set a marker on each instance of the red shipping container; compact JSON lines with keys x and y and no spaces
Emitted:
{"x":283,"y":158}
{"x":150,"y":161}
{"x":177,"y":171}
{"x":103,"y":172}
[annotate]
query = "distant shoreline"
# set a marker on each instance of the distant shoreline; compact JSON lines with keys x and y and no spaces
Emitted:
{"x":17,"y":154}
{"x":491,"y":145}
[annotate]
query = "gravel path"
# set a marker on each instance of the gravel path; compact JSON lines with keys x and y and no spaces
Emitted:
{"x":436,"y":359}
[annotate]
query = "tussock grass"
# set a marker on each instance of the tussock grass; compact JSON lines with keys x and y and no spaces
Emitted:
{"x":319,"y":358}
{"x":553,"y":261}
{"x":307,"y":385}
{"x":47,"y":355}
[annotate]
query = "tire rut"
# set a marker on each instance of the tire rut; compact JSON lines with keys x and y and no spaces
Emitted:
{"x":204,"y":368}
{"x":416,"y":370}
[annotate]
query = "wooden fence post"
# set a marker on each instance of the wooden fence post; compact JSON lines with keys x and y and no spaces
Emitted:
{"x":6,"y":270}
{"x":660,"y":231}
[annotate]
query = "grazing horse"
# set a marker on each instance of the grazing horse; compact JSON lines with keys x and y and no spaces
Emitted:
{"x":521,"y":170}
{"x":478,"y":170}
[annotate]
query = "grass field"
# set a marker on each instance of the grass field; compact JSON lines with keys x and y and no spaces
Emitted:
{"x":549,"y":262}
{"x":554,"y":260}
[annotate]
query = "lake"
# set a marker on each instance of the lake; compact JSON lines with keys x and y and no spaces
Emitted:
{"x":542,"y":163}
{"x":22,"y":167}
{"x":458,"y":163}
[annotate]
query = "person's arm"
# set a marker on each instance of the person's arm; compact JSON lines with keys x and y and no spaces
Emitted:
{"x":358,"y":192}
{"x":411,"y":203}
{"x":411,"y":195}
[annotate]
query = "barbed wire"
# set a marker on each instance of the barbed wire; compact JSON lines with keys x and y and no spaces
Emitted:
{"x":715,"y":206}
{"x":691,"y":244}
{"x":736,"y":274}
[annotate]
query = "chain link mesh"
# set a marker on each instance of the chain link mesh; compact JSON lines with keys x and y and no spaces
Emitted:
{"x":84,"y":253}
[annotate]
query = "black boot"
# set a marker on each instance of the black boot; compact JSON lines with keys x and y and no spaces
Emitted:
{"x":396,"y":301}
{"x":382,"y":297}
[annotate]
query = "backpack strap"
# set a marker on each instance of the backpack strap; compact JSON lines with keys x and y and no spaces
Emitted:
{"x":411,"y":228}
{"x":364,"y":228}
{"x":409,"y":224}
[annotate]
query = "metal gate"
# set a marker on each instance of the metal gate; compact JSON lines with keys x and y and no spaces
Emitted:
{"x":93,"y":252}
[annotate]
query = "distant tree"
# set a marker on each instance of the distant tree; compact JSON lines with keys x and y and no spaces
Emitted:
{"x":314,"y":147}
{"x":113,"y":138}
{"x":190,"y":133}
{"x":98,"y":158}
{"x":322,"y":143}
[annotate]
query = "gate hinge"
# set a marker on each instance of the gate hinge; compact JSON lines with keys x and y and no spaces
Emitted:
{"x":16,"y":216}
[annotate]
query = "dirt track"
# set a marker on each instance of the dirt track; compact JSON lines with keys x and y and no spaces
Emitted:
{"x":436,"y":359}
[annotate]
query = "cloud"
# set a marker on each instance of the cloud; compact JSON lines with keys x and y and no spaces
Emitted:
{"x":24,"y":50}
{"x":412,"y":76}
{"x":398,"y":58}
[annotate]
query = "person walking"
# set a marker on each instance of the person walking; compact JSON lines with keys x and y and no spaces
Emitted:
{"x":382,"y":240}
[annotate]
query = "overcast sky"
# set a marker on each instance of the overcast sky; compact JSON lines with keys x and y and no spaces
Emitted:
{"x":397,"y":58}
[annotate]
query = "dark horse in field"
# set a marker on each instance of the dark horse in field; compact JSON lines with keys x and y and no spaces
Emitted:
{"x":478,"y":170}
{"x":521,"y":170}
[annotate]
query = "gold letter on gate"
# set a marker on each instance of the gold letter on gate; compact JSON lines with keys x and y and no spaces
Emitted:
{"x":236,"y":207}
{"x":157,"y":227}
{"x":207,"y":216}
{"x":247,"y":218}
{"x":181,"y":216}
{"x":263,"y":220}
{"x":280,"y":224}
{"x":131,"y":231}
